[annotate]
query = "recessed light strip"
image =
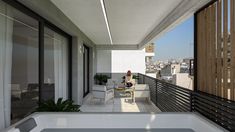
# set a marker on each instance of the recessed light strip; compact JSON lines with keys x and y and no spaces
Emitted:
{"x":106,"y":20}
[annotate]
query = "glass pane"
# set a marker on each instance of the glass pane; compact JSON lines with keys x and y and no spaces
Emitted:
{"x":55,"y":66}
{"x":19,"y":48}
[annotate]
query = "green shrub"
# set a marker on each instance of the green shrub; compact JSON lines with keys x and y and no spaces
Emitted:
{"x":59,"y":106}
{"x":101,"y":79}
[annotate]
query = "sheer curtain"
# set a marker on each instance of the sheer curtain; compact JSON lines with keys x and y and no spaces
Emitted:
{"x":60,"y":66}
{"x":6,"y":29}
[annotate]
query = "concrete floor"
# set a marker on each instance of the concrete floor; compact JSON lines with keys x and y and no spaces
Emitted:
{"x":91,"y":104}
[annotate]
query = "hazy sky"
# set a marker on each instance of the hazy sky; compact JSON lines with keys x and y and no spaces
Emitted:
{"x":177,"y":43}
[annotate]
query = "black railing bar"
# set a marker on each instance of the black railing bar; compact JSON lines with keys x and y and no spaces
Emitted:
{"x":174,"y":87}
{"x":161,"y":107}
{"x":181,"y":88}
{"x":218,"y":112}
{"x":217,"y":100}
{"x":182,"y":100}
{"x":177,"y":105}
{"x":229,"y":121}
{"x":171,"y":108}
{"x":212,"y":104}
{"x":176,"y":90}
{"x":184,"y":97}
{"x":163,"y":102}
{"x":226,"y":110}
{"x":216,"y":120}
{"x":182,"y":93}
{"x":221,"y":119}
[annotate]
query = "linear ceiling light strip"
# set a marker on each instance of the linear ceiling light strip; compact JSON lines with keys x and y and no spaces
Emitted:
{"x":106,"y":20}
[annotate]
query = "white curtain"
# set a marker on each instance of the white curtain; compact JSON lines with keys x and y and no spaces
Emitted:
{"x":6,"y":29}
{"x":60,"y":66}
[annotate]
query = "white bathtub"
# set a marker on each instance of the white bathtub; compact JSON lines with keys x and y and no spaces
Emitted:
{"x":192,"y":121}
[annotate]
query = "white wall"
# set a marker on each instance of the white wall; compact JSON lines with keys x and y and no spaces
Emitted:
{"x":77,"y":68}
{"x":104,"y":61}
{"x":120,"y":61}
{"x":124,"y":60}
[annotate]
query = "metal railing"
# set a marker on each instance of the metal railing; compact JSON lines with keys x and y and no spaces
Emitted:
{"x":171,"y":98}
{"x":219,"y":110}
{"x":166,"y":96}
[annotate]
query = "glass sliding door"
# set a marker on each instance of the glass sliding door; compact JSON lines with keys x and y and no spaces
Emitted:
{"x":19,"y":61}
{"x":55,"y":66}
{"x":86,"y":71}
{"x":24,"y":79}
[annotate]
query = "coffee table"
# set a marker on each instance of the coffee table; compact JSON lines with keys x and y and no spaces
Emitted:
{"x":124,"y":90}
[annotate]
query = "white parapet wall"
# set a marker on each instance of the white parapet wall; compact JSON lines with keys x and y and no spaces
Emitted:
{"x":120,"y":61}
{"x":104,"y":61}
{"x":123,"y":60}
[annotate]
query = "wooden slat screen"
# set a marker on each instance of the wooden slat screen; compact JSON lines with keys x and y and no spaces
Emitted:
{"x":216,"y":49}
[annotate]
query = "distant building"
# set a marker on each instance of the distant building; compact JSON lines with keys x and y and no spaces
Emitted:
{"x":183,"y":80}
{"x":170,"y":69}
{"x":149,"y":53}
{"x":151,"y":68}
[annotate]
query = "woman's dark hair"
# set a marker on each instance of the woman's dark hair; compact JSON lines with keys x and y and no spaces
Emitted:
{"x":128,"y":73}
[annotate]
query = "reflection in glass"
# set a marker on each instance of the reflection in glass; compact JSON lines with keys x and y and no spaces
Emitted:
{"x":19,"y":47}
{"x":55,"y":66}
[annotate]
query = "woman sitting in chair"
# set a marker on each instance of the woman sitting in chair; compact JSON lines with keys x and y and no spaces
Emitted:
{"x":129,"y":81}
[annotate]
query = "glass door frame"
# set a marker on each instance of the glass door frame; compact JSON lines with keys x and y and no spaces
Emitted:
{"x":42,"y":24}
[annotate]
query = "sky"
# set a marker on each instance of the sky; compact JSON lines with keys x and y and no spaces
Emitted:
{"x":177,"y":43}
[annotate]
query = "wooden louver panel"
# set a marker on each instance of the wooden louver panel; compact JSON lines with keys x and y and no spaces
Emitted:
{"x":216,"y":49}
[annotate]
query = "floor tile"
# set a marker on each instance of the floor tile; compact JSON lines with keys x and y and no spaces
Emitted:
{"x":91,"y":104}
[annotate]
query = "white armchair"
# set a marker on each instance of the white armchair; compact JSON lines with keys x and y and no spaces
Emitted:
{"x":101,"y":92}
{"x":112,"y":83}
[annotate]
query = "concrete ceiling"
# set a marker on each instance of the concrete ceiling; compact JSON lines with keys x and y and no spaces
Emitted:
{"x":131,"y":22}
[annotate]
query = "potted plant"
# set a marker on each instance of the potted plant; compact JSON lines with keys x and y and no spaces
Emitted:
{"x":135,"y":77}
{"x":59,"y":106}
{"x":101,"y":79}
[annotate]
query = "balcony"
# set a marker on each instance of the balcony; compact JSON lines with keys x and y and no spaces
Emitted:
{"x":166,"y":97}
{"x":52,"y":49}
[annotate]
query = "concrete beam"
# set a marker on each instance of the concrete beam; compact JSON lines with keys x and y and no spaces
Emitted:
{"x":117,"y":47}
